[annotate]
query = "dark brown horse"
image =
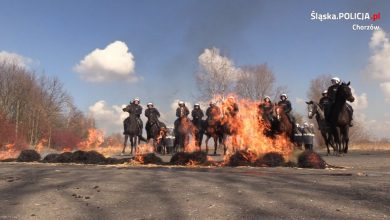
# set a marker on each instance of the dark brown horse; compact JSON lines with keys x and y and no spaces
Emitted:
{"x":283,"y":124}
{"x":340,"y":118}
{"x":314,"y":109}
{"x":132,"y":132}
{"x":213,"y":129}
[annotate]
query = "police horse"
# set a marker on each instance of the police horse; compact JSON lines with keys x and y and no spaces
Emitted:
{"x":283,"y":125}
{"x":213,"y":129}
{"x":156,"y":133}
{"x":340,"y":117}
{"x":314,"y":110}
{"x":132,"y":131}
{"x":198,"y":125}
{"x":182,"y":132}
{"x":230,"y":126}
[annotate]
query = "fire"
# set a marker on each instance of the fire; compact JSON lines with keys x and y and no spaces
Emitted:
{"x":249,"y":132}
{"x":95,"y":139}
{"x":9,"y":151}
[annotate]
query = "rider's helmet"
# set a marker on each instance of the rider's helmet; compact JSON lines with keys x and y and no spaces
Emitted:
{"x":181,"y":103}
{"x":283,"y":95}
{"x":196,"y":105}
{"x":267,"y":97}
{"x":136,"y":101}
{"x":335,"y":80}
{"x":325,"y":92}
{"x":149,"y":104}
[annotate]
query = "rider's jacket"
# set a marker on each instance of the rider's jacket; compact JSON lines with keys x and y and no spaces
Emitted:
{"x":286,"y":104}
{"x":134,"y":109}
{"x":213,"y":112}
{"x":182,"y":111}
{"x":324,"y":102}
{"x":230,"y":109}
{"x":332,"y":90}
{"x":152,"y":114}
{"x":266,"y":108}
{"x":197,"y":114}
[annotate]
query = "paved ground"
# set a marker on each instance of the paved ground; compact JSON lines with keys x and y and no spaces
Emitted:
{"x":49,"y":191}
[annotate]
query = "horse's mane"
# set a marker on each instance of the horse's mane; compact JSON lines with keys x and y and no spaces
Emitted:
{"x":319,"y":110}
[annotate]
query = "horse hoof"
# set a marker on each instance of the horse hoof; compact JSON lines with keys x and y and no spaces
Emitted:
{"x":122,"y":154}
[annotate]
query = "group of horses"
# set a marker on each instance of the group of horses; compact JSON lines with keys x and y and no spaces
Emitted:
{"x":221,"y":128}
{"x":218,"y":128}
{"x":335,"y":129}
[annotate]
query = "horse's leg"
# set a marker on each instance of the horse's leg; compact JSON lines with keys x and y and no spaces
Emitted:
{"x":215,"y":144}
{"x":125,"y":143}
{"x":224,"y":144}
{"x":346,"y":139}
{"x":337,"y":141}
{"x":207,"y":144}
{"x":132,"y":144}
{"x":200,"y":140}
{"x":324,"y":136}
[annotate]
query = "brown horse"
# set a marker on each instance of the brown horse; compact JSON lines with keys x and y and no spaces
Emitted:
{"x":283,"y":125}
{"x":213,"y":129}
{"x":340,"y":118}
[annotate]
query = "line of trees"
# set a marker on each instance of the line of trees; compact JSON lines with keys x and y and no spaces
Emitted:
{"x":36,"y":108}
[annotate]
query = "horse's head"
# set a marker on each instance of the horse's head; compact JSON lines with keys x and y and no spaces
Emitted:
{"x":311,"y":109}
{"x":345,"y":92}
{"x":279,"y":111}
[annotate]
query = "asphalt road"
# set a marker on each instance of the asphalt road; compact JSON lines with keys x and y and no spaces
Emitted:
{"x":66,"y":191}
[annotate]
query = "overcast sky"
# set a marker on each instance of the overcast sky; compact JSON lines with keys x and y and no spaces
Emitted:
{"x":108,"y":52}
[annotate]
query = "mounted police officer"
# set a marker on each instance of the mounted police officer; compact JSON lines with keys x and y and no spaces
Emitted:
{"x":136,"y":109}
{"x":181,"y":111}
{"x":325,"y":103}
{"x":265,"y":109}
{"x":230,"y":107}
{"x":213,"y":112}
{"x":197,"y":113}
{"x":286,"y":105}
{"x":152,"y":114}
{"x":332,"y":91}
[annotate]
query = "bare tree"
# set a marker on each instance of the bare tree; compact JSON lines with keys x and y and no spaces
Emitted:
{"x":256,"y":82}
{"x":217,"y":74}
{"x":34,"y":106}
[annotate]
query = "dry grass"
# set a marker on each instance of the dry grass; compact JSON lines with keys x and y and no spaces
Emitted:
{"x":370,"y":146}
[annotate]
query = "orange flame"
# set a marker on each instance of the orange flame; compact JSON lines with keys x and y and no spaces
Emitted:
{"x":250,"y":135}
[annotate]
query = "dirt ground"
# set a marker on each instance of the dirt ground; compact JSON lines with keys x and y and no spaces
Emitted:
{"x":67,"y":191}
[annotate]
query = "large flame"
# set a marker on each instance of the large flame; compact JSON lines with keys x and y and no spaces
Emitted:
{"x":250,"y":135}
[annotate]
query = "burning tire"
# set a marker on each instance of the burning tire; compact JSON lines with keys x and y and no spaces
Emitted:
{"x":88,"y":157}
{"x":150,"y":158}
{"x":271,"y":159}
{"x":194,"y":158}
{"x":310,"y":159}
{"x":179,"y":158}
{"x":28,"y":156}
{"x":66,"y":157}
{"x":241,"y":158}
{"x":51,"y":158}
